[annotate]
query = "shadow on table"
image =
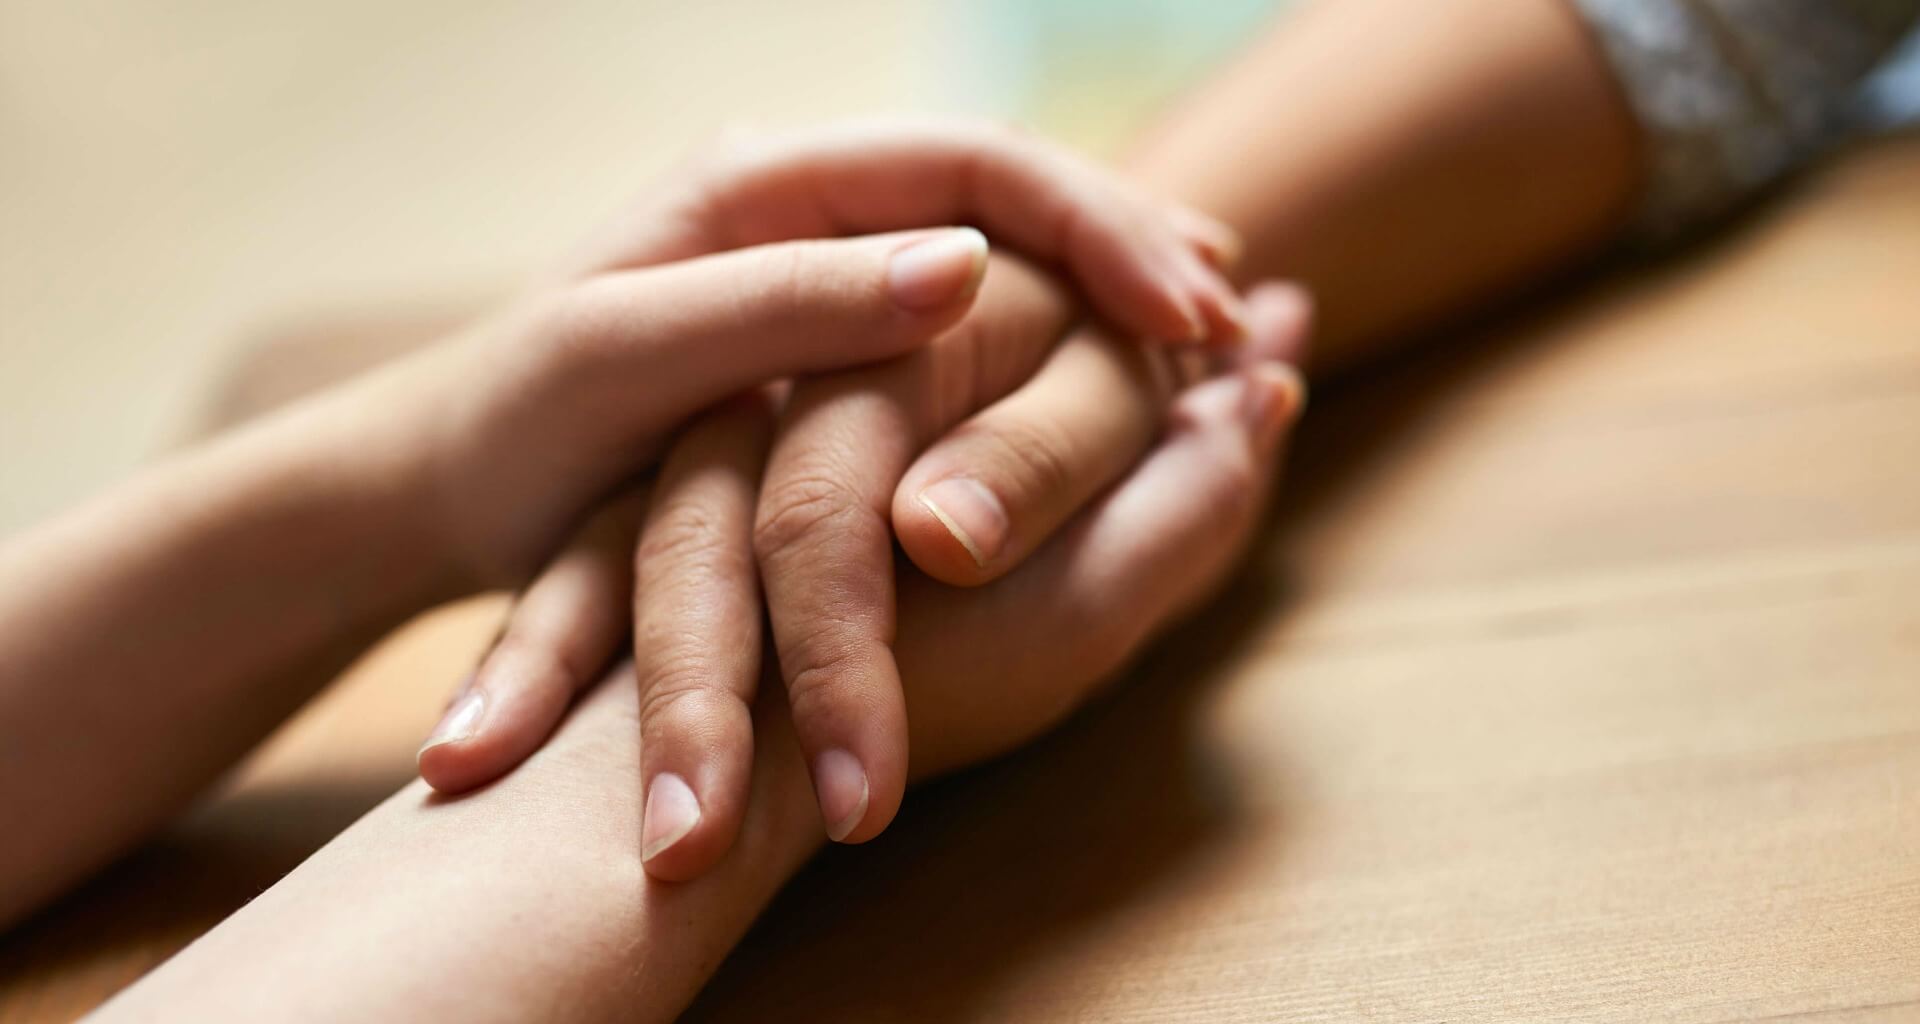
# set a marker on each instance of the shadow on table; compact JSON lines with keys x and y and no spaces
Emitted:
{"x":985,"y":872}
{"x":209,"y":865}
{"x":928,"y":924}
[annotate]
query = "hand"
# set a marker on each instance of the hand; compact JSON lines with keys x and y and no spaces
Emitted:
{"x":698,"y":642}
{"x":526,"y":901}
{"x":697,"y":294}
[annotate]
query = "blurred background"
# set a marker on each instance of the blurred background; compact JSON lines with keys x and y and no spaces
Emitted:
{"x":181,"y":178}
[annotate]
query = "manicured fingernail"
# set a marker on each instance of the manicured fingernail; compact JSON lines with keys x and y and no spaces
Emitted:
{"x":460,"y":722}
{"x":935,"y":272}
{"x":1272,"y":397}
{"x":672,"y":812}
{"x":971,"y":513}
{"x":841,"y":785}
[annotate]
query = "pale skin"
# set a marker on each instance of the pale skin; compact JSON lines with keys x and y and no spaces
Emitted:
{"x":1307,"y":191}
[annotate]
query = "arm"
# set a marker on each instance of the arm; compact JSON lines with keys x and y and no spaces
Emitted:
{"x":152,"y":638}
{"x":1406,"y":160}
{"x":528,"y":899}
{"x":522,"y":902}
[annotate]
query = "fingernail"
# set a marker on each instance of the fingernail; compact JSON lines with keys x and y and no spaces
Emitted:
{"x":938,"y":271}
{"x":1234,"y":311}
{"x":1272,"y":397}
{"x":841,"y":785}
{"x":460,"y":722}
{"x":971,"y":513}
{"x":672,"y":812}
{"x":1195,"y":325}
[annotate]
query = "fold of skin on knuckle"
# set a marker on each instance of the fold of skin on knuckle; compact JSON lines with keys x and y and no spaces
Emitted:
{"x":540,"y":662}
{"x":689,"y":546}
{"x":821,"y":671}
{"x":797,"y":513}
{"x":1020,"y":316}
{"x":684,"y":703}
{"x":1033,"y":455}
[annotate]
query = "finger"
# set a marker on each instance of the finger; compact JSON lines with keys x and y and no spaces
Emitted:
{"x":1077,"y":610}
{"x":980,"y":500}
{"x":824,"y":538}
{"x":1213,"y":239}
{"x":1284,"y":312}
{"x":697,"y":639}
{"x":561,"y":633}
{"x":1123,"y":248}
{"x":985,"y":496}
{"x":661,"y":343}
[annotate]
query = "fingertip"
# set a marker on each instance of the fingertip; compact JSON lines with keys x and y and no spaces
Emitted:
{"x":858,"y":794}
{"x":954,"y":530}
{"x":932,"y":273}
{"x":458,"y":766}
{"x":697,"y":759}
{"x":1272,"y":397}
{"x":844,"y":792}
{"x":1280,"y":321}
{"x":1210,"y":312}
{"x":1213,"y":238}
{"x":446,"y":760}
{"x":932,"y":547}
{"x":682,"y":837}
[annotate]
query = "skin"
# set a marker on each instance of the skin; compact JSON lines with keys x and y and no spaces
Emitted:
{"x":489,"y":919}
{"x":158,"y":633}
{"x":1421,"y":199}
{"x":1401,"y":209}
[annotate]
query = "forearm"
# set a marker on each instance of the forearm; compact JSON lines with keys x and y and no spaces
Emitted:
{"x":523,"y":901}
{"x":1406,"y":160}
{"x":155,"y":635}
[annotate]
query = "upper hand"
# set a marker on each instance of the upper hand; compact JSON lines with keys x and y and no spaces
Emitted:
{"x":702,"y":291}
{"x":697,"y":606}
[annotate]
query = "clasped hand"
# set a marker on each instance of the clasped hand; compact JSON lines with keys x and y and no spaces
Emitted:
{"x":783,"y":362}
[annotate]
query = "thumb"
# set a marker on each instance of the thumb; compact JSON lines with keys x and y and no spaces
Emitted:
{"x":665,"y":341}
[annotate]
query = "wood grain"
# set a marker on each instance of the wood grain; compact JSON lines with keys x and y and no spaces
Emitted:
{"x":1578,"y":680}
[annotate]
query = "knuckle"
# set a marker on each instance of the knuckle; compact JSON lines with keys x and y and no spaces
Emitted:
{"x":688,"y":533}
{"x":795,"y":511}
{"x":1036,"y":453}
{"x":815,"y":671}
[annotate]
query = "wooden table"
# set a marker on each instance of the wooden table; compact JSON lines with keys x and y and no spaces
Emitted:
{"x":1580,"y":680}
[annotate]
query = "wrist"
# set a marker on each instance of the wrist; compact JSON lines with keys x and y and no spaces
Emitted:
{"x":364,"y":460}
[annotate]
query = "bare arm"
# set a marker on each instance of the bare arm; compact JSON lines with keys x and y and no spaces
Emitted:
{"x":1406,"y":160}
{"x":524,"y":902}
{"x":527,"y":899}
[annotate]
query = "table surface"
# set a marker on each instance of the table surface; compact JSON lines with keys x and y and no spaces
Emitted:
{"x":1578,"y":679}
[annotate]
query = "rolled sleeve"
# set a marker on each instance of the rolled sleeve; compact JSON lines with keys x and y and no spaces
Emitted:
{"x":1733,"y":94}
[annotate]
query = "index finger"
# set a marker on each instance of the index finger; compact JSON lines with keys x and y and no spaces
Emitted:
{"x":1148,"y":271}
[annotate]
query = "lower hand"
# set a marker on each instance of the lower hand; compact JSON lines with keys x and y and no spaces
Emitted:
{"x":1101,"y":576}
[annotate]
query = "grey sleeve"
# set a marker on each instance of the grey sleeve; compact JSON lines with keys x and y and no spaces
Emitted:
{"x":1731,"y":94}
